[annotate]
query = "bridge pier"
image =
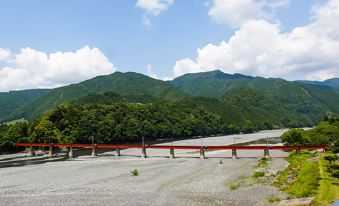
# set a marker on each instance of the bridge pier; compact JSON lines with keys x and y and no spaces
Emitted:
{"x":234,"y":154}
{"x":143,"y":152}
{"x":94,"y":150}
{"x":50,"y":152}
{"x":297,"y":151}
{"x":266,"y":153}
{"x":31,"y":152}
{"x":202,"y":153}
{"x":172,"y":153}
{"x":70,"y":153}
{"x":117,"y":152}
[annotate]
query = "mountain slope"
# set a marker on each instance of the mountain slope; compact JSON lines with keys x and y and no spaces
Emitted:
{"x":10,"y":101}
{"x":305,"y":100}
{"x":120,"y":83}
{"x":333,"y":83}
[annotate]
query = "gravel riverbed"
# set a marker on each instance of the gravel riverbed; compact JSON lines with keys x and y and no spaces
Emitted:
{"x":107,"y":180}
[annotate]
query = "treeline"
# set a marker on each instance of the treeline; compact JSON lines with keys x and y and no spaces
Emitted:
{"x":13,"y":133}
{"x":116,"y":123}
{"x":325,"y":133}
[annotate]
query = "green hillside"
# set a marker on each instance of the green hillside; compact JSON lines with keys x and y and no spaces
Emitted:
{"x":243,"y":102}
{"x":121,"y":83}
{"x":10,"y":101}
{"x":305,"y":101}
{"x":332,"y":83}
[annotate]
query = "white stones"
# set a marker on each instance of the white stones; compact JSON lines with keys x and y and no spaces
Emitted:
{"x":296,"y":202}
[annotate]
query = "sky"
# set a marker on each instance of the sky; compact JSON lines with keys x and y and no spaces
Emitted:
{"x":46,"y":44}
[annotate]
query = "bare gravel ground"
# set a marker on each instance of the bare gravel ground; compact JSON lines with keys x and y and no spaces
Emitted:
{"x":107,"y":180}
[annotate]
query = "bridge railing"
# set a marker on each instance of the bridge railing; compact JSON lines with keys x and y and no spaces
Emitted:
{"x":202,"y":149}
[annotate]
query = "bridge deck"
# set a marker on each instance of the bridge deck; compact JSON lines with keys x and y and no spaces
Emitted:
{"x":187,"y":147}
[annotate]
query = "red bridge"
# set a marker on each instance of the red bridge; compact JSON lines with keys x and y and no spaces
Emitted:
{"x":170,"y":147}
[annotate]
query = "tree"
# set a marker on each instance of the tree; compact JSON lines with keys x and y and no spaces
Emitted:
{"x":294,"y":137}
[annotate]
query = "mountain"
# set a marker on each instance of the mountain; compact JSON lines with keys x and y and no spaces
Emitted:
{"x":121,"y":83}
{"x":9,"y":101}
{"x":299,"y":99}
{"x":333,"y":83}
{"x":241,"y":101}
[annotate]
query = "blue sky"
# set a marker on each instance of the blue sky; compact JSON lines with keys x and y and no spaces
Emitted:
{"x":117,"y":29}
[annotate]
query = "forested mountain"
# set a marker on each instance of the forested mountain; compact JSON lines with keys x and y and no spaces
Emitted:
{"x":122,"y":107}
{"x":10,"y":101}
{"x":258,"y":95}
{"x":243,"y":102}
{"x":120,"y":83}
{"x":333,"y":83}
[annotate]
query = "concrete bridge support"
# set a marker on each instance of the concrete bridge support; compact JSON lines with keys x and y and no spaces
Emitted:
{"x":70,"y":153}
{"x":143,"y":152}
{"x":172,"y":153}
{"x":202,"y":153}
{"x":50,"y":152}
{"x":31,"y":152}
{"x":234,"y":154}
{"x":117,"y":152}
{"x":297,"y":151}
{"x":94,"y":150}
{"x":266,"y":153}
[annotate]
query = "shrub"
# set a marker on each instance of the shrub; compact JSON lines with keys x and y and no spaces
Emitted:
{"x":258,"y":174}
{"x":135,"y":172}
{"x":271,"y":198}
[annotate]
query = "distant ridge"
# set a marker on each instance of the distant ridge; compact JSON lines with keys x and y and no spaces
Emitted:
{"x":238,"y":99}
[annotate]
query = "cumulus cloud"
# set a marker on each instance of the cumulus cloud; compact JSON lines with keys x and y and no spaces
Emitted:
{"x":150,"y":72}
{"x":261,"y":48}
{"x":152,"y":7}
{"x":237,"y":12}
{"x":4,"y":54}
{"x":35,"y":69}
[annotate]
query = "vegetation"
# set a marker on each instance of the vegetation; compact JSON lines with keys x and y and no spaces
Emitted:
{"x":325,"y":133}
{"x":11,"y":134}
{"x":10,"y":101}
{"x":307,"y":180}
{"x":123,"y":107}
{"x":245,"y":103}
{"x":135,"y":172}
{"x":258,"y":174}
{"x":271,"y":199}
{"x":124,"y":122}
{"x":289,"y":175}
{"x":328,"y":189}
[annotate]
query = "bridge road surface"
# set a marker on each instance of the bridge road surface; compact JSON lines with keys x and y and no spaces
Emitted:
{"x":106,"y":179}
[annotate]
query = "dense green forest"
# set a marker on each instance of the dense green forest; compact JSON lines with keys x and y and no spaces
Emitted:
{"x":122,"y":107}
{"x":325,"y":133}
{"x":119,"y":122}
{"x":299,"y":103}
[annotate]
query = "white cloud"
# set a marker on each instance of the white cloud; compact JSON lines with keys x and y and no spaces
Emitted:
{"x":150,"y":72}
{"x":4,"y":54}
{"x":35,"y":69}
{"x":152,"y":7}
{"x":262,"y":48}
{"x":237,"y":12}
